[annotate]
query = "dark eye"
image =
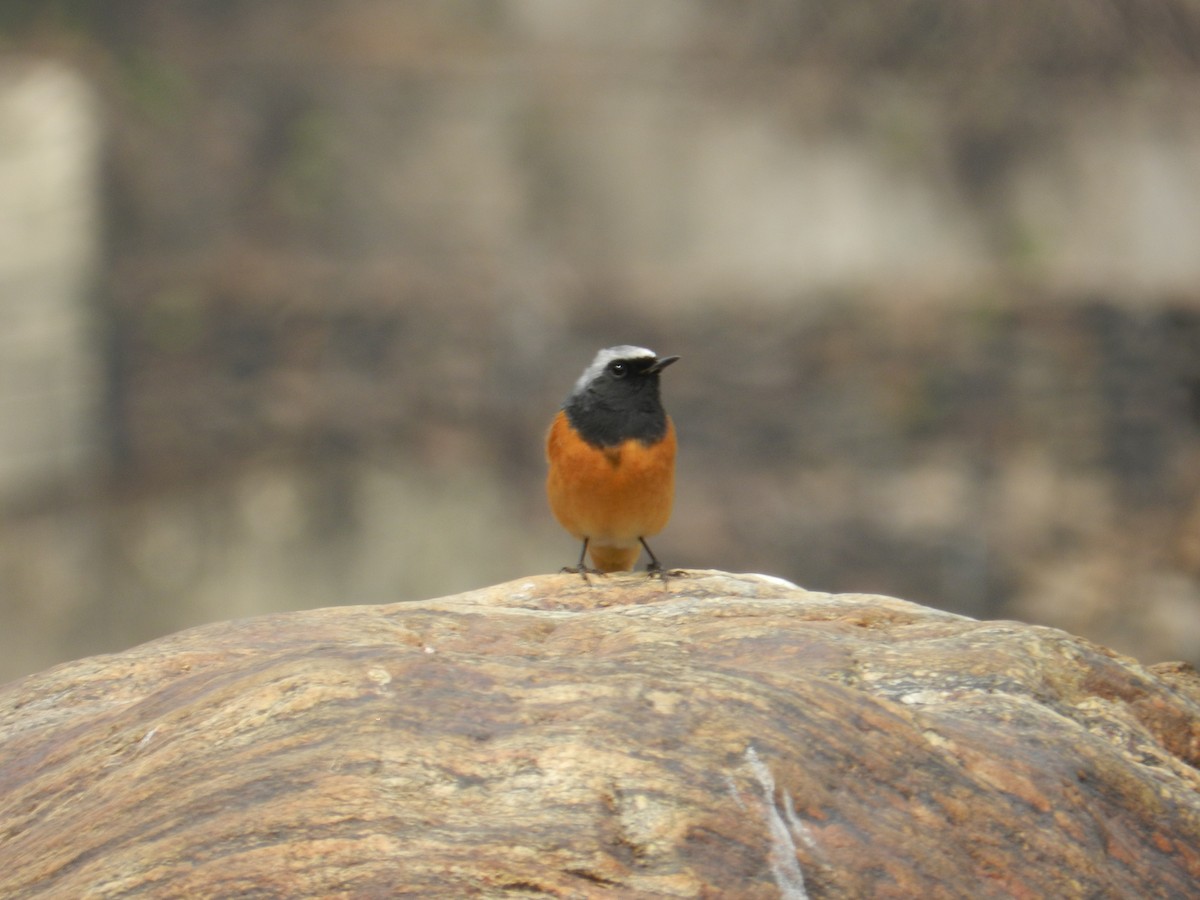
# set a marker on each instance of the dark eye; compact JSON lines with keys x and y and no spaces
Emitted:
{"x":618,"y":369}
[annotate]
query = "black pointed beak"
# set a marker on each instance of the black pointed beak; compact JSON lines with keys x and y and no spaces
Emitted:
{"x":660,"y":364}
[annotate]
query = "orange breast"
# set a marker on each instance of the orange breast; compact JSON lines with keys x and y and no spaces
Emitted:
{"x":611,"y":496}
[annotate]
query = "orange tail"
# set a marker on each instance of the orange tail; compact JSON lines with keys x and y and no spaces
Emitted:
{"x":614,"y":559}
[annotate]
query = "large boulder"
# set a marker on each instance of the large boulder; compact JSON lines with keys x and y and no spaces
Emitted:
{"x":717,"y":735}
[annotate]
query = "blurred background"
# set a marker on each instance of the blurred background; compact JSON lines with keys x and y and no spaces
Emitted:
{"x":289,"y":292}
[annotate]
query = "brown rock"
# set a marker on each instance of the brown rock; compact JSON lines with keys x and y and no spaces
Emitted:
{"x":717,"y":736}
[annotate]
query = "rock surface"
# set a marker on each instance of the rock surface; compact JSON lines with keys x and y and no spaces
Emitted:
{"x":718,"y":736}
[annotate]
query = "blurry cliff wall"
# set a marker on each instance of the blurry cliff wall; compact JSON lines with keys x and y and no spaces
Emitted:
{"x":290,"y":290}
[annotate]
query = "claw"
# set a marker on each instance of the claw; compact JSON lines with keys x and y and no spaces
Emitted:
{"x":654,"y":568}
{"x":582,"y":571}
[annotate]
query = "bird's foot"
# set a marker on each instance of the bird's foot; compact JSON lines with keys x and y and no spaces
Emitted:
{"x":582,"y":571}
{"x":654,"y":569}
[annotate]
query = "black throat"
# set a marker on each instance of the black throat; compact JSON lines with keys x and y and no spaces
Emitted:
{"x":607,"y":413}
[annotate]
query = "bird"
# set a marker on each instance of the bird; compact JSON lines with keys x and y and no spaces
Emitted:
{"x":611,"y":456}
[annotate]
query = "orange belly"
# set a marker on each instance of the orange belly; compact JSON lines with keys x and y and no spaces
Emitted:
{"x":610,"y":496}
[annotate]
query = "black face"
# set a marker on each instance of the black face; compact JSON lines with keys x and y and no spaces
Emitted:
{"x":635,"y":373}
{"x":620,"y":403}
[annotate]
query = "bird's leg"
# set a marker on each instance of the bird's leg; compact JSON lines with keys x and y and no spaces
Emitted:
{"x":654,"y":567}
{"x":581,"y":568}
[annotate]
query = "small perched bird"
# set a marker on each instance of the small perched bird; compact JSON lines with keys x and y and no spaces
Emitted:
{"x":611,"y":451}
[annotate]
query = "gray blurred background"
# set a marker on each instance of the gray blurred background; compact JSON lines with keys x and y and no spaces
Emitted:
{"x":289,"y":292}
